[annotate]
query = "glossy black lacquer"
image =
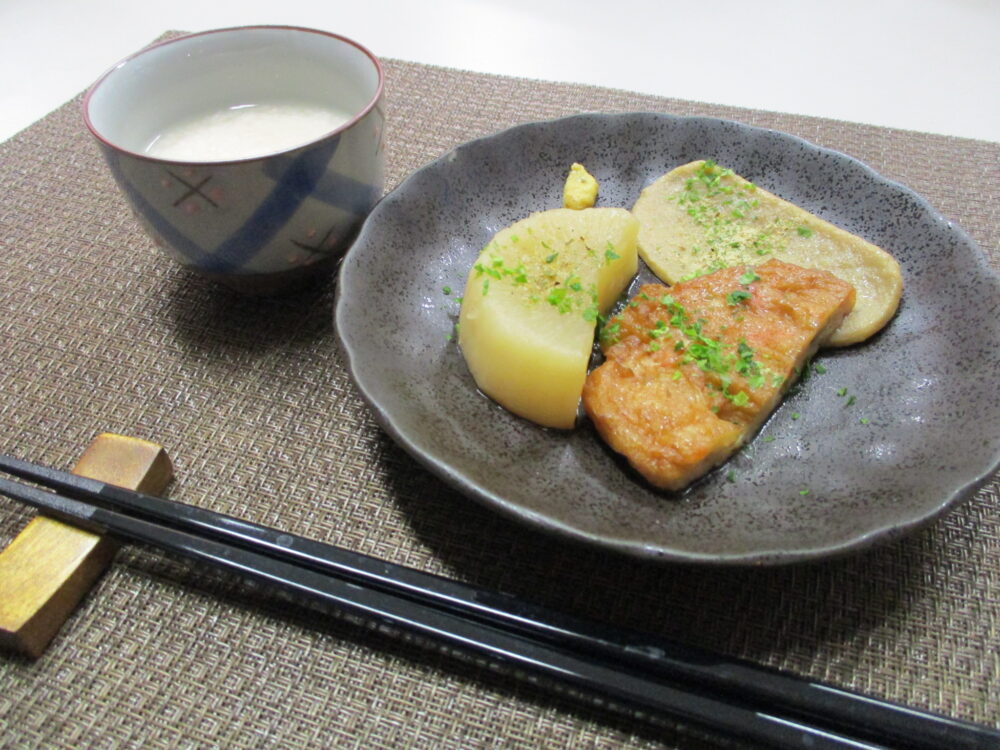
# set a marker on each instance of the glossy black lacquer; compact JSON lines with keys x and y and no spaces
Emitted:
{"x":728,"y":695}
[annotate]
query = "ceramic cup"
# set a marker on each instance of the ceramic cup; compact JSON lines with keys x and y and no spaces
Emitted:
{"x":250,"y":155}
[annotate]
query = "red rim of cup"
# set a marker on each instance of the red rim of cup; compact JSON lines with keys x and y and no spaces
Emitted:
{"x":372,"y":103}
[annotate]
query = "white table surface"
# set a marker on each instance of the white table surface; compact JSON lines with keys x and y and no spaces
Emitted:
{"x":928,"y":65}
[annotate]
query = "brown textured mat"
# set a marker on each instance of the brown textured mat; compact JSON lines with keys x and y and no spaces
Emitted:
{"x":98,"y":331}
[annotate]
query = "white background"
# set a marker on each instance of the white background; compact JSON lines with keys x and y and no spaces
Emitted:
{"x":929,"y":65}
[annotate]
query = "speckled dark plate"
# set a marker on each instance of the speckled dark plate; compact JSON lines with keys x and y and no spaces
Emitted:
{"x":822,"y":477}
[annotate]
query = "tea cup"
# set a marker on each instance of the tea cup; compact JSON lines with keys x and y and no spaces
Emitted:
{"x":250,"y":155}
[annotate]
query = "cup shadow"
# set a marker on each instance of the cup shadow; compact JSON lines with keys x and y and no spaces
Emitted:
{"x":209,"y":317}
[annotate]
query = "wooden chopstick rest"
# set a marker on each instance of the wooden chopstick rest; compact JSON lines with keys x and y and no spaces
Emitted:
{"x":50,"y":565}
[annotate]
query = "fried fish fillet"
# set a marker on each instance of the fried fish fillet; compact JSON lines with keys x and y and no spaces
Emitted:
{"x":691,"y":371}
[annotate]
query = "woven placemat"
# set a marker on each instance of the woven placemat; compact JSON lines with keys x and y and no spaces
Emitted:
{"x":100,"y":332}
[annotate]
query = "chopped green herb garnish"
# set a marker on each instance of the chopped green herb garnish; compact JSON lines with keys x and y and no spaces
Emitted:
{"x":480,"y":269}
{"x":747,"y":365}
{"x":609,"y":333}
{"x":737,"y":296}
{"x":725,"y":212}
{"x":769,"y":438}
{"x":795,"y":415}
{"x":841,"y":391}
{"x":820,"y":370}
{"x":708,"y":354}
{"x":749,"y":277}
{"x":850,"y":401}
{"x":731,"y":476}
{"x":804,"y":231}
{"x":864,"y":420}
{"x":740,"y":399}
{"x":447,"y":290}
{"x":557,"y":298}
{"x":659,"y":331}
{"x":552,"y":257}
{"x":804,"y":492}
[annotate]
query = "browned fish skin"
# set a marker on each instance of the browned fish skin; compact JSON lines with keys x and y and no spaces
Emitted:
{"x":694,"y":369}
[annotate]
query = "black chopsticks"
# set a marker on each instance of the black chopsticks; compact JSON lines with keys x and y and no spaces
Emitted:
{"x":651,"y":675}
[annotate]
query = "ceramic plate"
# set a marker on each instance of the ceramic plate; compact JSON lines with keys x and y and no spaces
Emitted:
{"x":826,"y":474}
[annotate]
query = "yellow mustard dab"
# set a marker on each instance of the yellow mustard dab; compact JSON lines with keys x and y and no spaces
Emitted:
{"x":580,"y":190}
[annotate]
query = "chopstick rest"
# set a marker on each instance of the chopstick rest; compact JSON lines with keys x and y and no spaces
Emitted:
{"x":49,"y":567}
